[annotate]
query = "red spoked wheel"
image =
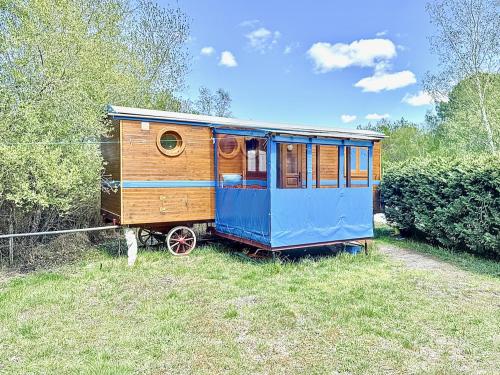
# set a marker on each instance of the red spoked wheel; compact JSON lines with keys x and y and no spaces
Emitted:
{"x":181,"y":240}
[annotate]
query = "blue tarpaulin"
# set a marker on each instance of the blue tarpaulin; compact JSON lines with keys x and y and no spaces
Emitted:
{"x":243,"y":213}
{"x":307,"y":216}
{"x":290,"y":217}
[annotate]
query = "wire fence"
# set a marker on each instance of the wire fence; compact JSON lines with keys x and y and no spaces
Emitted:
{"x":11,"y":237}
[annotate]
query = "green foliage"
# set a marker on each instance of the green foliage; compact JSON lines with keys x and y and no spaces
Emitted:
{"x":57,"y":72}
{"x":459,"y":119}
{"x":61,"y":63}
{"x":405,"y":140}
{"x":454,"y":202}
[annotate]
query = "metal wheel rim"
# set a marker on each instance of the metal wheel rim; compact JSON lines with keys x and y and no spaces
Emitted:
{"x":181,"y":241}
{"x":146,"y":237}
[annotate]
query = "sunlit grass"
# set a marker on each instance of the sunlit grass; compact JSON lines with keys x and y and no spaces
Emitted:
{"x":213,"y":312}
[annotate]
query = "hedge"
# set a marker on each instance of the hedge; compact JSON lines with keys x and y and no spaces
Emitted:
{"x":454,"y":203}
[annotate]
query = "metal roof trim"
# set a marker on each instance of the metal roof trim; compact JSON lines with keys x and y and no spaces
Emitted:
{"x":218,"y":122}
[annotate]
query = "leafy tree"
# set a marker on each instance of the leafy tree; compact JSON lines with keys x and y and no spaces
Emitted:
{"x":61,"y":62}
{"x":459,"y":125}
{"x":467,"y":44}
{"x":157,"y":40}
{"x":222,"y":103}
{"x":405,"y":140}
{"x":208,"y":103}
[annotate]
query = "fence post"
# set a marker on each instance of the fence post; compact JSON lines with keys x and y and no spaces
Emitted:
{"x":11,"y":245}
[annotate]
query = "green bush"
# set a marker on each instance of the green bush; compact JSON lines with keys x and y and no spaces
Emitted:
{"x":452,"y":202}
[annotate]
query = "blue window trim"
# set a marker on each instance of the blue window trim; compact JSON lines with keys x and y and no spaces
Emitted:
{"x":134,"y":184}
{"x":320,"y":141}
{"x":271,"y":165}
{"x":250,"y":133}
{"x":370,"y":167}
{"x":341,"y":167}
{"x":309,"y":166}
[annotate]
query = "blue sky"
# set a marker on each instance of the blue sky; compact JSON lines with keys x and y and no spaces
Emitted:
{"x":336,"y":63}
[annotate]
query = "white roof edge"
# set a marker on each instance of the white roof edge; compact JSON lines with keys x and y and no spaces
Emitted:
{"x":247,"y":124}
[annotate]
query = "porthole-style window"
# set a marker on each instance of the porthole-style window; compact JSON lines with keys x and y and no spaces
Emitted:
{"x":170,"y":142}
{"x":228,"y":146}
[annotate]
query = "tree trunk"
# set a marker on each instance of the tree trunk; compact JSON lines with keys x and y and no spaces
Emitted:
{"x":484,"y":115}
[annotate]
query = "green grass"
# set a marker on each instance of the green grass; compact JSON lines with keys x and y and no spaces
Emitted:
{"x":213,"y":312}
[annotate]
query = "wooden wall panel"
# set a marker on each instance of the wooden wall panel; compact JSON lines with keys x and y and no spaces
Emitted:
{"x":328,"y":163}
{"x":377,"y":162}
{"x":162,"y":205}
{"x":110,"y":150}
{"x":143,"y":161}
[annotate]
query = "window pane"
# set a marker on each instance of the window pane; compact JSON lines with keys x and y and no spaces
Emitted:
{"x":228,"y":144}
{"x":353,"y":158}
{"x":262,"y":161}
{"x":292,"y":156}
{"x":251,"y":161}
{"x":363,"y":158}
{"x":328,"y":167}
{"x":292,"y":166}
{"x":241,"y":162}
{"x":359,"y":175}
{"x":168,"y":141}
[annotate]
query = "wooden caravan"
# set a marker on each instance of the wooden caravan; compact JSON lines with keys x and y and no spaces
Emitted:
{"x":271,"y":185}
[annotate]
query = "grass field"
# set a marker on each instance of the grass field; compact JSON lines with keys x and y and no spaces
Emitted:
{"x":214,"y":312}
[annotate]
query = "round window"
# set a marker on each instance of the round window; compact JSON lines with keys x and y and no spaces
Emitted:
{"x":228,"y":146}
{"x":169,"y":142}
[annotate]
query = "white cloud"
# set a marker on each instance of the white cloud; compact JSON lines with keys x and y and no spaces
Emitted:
{"x":381,"y":33}
{"x":376,"y":116}
{"x":262,"y":39}
{"x":249,"y":23}
{"x":207,"y":51}
{"x":227,"y":59}
{"x":364,"y":52}
{"x":418,"y":99}
{"x":289,"y":48}
{"x":348,"y":118}
{"x":422,"y":98}
{"x":382,"y":80}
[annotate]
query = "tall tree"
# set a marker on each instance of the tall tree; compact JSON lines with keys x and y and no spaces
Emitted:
{"x":157,"y":40}
{"x":61,"y":62}
{"x":405,"y":140}
{"x":468,"y":46}
{"x":222,"y":103}
{"x":459,"y":119}
{"x":208,"y":103}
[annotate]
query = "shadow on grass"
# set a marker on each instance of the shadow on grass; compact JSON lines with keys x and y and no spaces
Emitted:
{"x":236,"y":251}
{"x":462,"y":260}
{"x":240,"y":252}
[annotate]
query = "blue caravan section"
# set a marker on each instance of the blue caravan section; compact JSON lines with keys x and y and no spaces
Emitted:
{"x":274,"y":199}
{"x":320,"y":215}
{"x":243,"y":213}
